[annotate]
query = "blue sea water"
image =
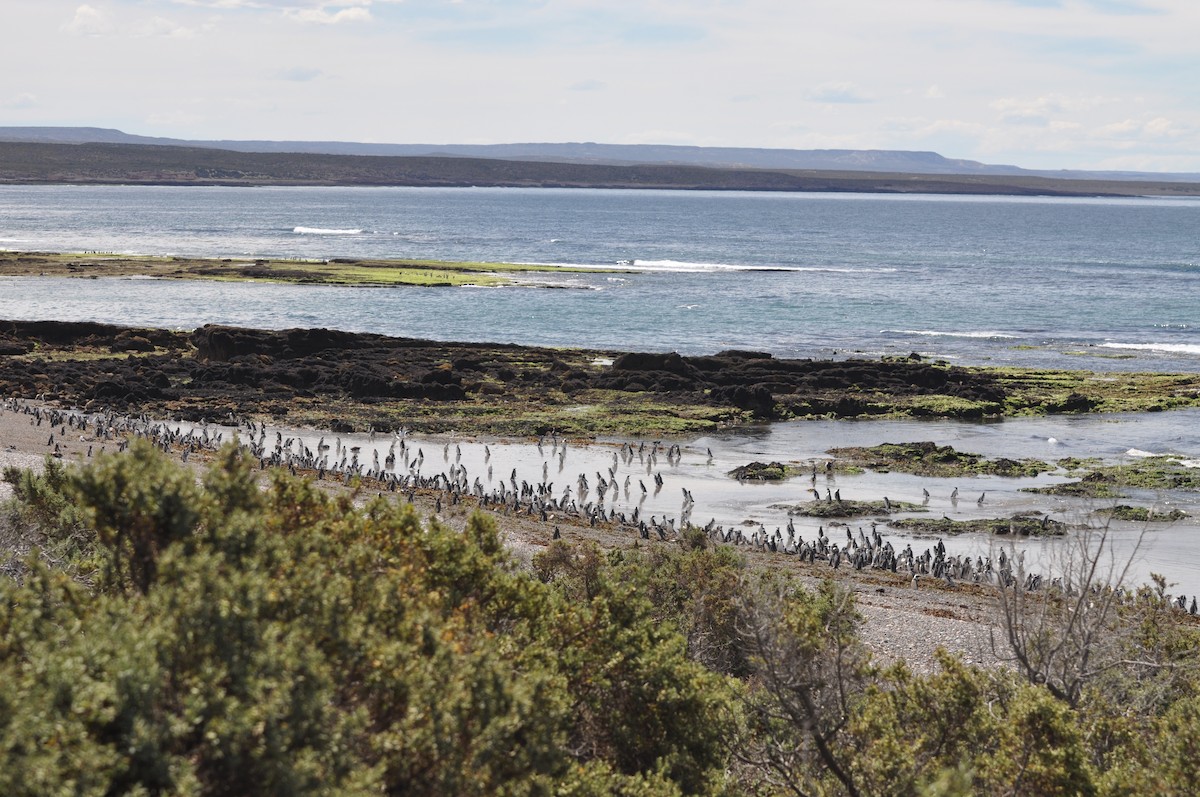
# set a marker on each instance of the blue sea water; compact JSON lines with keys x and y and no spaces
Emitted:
{"x":1102,"y":284}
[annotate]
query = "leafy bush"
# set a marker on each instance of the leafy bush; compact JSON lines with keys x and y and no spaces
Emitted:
{"x":290,"y":643}
{"x":231,"y":639}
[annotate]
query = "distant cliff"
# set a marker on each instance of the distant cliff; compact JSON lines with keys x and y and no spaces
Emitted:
{"x":91,"y":163}
{"x":879,"y":161}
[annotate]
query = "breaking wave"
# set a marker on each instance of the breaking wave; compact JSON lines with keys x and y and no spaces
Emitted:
{"x":933,"y":333}
{"x":687,"y":267}
{"x":324,"y":231}
{"x":1170,"y":348}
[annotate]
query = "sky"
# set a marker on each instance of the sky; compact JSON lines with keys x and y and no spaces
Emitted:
{"x":1043,"y":84}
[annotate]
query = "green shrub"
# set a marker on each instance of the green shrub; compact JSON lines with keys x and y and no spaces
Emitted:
{"x":287,"y":642}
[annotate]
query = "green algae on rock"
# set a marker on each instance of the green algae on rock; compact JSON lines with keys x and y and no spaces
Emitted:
{"x":1019,"y":525}
{"x":929,"y":459}
{"x":1142,"y":514}
{"x":764,"y":472}
{"x":846,"y":508}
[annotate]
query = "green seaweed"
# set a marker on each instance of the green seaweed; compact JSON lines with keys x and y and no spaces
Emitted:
{"x":848,"y":508}
{"x":1142,"y":514}
{"x":930,"y":459}
{"x":1019,"y":525}
{"x":764,"y":472}
{"x":1106,"y":481}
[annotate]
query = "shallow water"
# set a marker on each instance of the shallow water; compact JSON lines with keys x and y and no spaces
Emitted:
{"x":1166,"y":549}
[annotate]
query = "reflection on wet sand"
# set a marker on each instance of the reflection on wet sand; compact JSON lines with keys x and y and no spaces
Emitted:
{"x":657,"y":487}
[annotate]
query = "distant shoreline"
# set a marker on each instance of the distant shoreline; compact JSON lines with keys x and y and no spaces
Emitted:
{"x":24,"y":163}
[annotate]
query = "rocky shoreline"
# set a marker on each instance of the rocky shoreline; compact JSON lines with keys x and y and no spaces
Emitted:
{"x":355,"y":381}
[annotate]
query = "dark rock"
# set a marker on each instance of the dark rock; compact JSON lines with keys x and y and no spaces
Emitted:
{"x":757,"y":399}
{"x":1075,"y":402}
{"x":740,"y":354}
{"x":14,"y":347}
{"x":759,"y":471}
{"x":644,"y":361}
{"x":126,"y":341}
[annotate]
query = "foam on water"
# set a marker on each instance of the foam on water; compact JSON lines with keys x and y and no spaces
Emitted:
{"x":325,"y":231}
{"x":932,"y":333}
{"x":699,"y":268}
{"x":1170,"y":348}
{"x":1139,"y":453}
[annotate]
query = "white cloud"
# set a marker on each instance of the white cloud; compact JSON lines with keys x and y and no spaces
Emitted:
{"x":324,"y":17}
{"x":1043,"y":85}
{"x":326,"y":12}
{"x":22,"y":102}
{"x":161,"y":26}
{"x":89,"y":21}
{"x":219,"y":4}
{"x":1164,"y":128}
{"x":1156,"y":128}
{"x":1050,"y":104}
{"x":838,"y":93}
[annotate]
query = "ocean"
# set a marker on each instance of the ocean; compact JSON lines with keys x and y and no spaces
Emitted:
{"x":1098,"y":284}
{"x":1095,"y":284}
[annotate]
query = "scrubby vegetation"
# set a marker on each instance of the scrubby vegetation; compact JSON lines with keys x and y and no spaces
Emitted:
{"x":168,"y":636}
